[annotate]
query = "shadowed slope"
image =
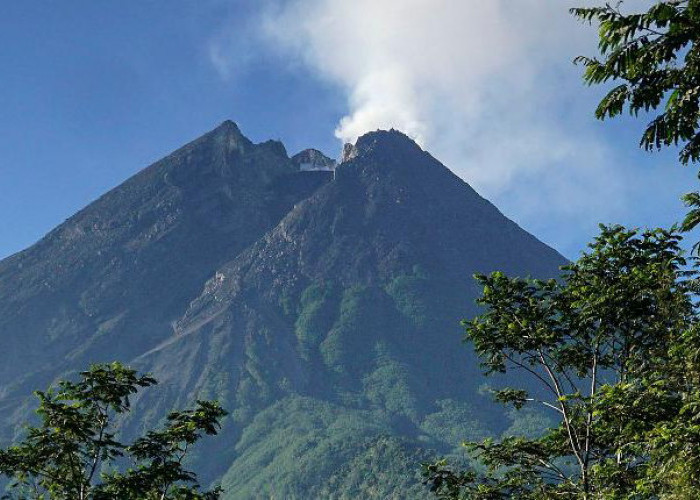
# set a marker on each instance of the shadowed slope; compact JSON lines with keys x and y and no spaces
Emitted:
{"x":321,"y":308}
{"x":110,"y":281}
{"x":352,"y":300}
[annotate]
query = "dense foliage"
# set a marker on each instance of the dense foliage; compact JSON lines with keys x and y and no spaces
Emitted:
{"x":613,"y":345}
{"x":611,"y":348}
{"x":75,"y":453}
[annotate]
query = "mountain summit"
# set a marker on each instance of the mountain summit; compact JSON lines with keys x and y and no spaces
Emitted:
{"x":313,"y":159}
{"x":319,"y":303}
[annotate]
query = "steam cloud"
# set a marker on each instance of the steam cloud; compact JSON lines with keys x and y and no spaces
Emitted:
{"x":468,"y":72}
{"x":487,"y":86}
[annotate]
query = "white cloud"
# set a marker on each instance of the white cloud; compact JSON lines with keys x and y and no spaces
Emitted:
{"x":488,"y":87}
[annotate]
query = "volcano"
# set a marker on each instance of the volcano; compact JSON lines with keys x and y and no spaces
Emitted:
{"x":319,"y":302}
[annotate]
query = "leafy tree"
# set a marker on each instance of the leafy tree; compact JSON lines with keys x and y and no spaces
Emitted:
{"x":654,"y":57}
{"x":75,"y":453}
{"x":613,"y":346}
{"x":611,"y":351}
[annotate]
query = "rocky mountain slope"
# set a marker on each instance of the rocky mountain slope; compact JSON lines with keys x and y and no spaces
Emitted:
{"x":321,"y":307}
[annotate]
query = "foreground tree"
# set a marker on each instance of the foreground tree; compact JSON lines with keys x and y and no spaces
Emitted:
{"x":654,"y":57}
{"x":75,"y":454}
{"x":613,"y":348}
{"x":611,"y":355}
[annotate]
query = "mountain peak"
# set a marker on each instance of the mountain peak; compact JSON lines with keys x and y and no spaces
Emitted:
{"x":313,"y":159}
{"x":390,"y":143}
{"x":228,"y":127}
{"x":320,"y":307}
{"x":392,"y":139}
{"x":230,"y":137}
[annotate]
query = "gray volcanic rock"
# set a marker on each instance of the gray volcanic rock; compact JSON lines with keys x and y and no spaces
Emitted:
{"x":322,"y":309}
{"x":353,"y":300}
{"x":110,"y":281}
{"x":313,"y":159}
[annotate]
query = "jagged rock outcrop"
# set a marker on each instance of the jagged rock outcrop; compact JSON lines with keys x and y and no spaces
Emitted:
{"x":313,"y":159}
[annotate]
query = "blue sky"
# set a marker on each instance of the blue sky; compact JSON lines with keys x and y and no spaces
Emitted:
{"x":93,"y":91}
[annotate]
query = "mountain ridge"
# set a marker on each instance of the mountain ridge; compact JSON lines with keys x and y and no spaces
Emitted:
{"x":320,"y":307}
{"x":132,"y":226}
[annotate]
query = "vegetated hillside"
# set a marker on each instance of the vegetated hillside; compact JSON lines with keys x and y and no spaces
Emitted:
{"x":321,"y":308}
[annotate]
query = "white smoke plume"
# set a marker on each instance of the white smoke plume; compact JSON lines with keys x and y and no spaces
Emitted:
{"x":452,"y":71}
{"x":487,"y":86}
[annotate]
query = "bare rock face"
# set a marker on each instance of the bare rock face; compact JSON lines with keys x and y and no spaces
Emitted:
{"x":349,"y":152}
{"x":111,"y":280}
{"x":313,"y":160}
{"x":319,"y":303}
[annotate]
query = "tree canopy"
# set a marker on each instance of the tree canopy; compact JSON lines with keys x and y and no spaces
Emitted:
{"x":612,"y":349}
{"x":611,"y":355}
{"x":75,"y":453}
